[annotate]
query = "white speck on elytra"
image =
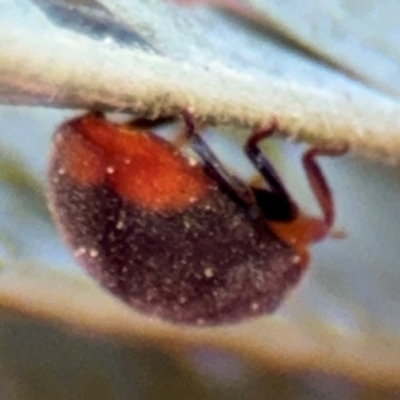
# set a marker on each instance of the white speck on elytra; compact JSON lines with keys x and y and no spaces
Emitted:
{"x":209,"y":272}
{"x":192,"y":162}
{"x":296,"y":259}
{"x":255,"y":306}
{"x":61,"y":171}
{"x":120,"y":224}
{"x":80,"y":251}
{"x":127,"y":161}
{"x":93,"y":253}
{"x":110,"y":169}
{"x":124,"y":270}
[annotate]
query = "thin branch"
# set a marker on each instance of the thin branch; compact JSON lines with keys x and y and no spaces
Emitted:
{"x":45,"y":64}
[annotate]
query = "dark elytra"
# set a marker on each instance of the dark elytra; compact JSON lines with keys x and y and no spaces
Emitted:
{"x":210,"y":263}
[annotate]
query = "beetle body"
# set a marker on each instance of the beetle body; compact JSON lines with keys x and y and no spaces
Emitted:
{"x":159,"y":232}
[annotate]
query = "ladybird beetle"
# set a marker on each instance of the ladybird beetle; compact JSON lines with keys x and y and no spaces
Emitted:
{"x":188,"y":242}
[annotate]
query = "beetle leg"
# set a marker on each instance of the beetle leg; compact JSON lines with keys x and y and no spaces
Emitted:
{"x":214,"y":168}
{"x":141,"y":122}
{"x":319,"y":184}
{"x":277,"y":196}
{"x":146,"y":123}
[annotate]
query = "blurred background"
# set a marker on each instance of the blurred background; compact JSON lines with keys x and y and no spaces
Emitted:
{"x":348,"y":303}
